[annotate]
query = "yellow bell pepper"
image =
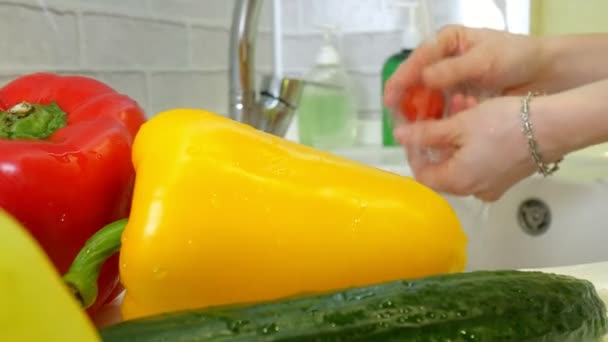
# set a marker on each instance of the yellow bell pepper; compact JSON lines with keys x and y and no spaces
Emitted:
{"x":35,"y":305}
{"x":224,"y":213}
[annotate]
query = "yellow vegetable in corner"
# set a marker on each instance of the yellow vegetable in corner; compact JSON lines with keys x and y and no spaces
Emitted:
{"x":224,"y":213}
{"x":35,"y":303}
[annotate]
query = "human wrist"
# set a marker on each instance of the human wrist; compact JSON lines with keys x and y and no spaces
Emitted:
{"x":548,"y":128}
{"x":550,"y":57}
{"x":557,"y":128}
{"x":546,"y":156}
{"x":575,"y":119}
{"x":570,"y":61}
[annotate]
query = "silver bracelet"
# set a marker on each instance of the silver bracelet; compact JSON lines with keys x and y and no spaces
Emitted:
{"x":543,"y":168}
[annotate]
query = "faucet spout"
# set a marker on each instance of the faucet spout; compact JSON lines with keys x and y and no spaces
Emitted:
{"x":242,"y":59}
{"x":272,"y":108}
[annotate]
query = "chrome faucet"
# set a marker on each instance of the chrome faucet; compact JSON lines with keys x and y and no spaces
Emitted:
{"x":273,"y":107}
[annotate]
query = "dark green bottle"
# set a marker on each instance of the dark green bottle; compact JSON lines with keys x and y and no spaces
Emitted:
{"x":389,"y":67}
{"x":409,"y":41}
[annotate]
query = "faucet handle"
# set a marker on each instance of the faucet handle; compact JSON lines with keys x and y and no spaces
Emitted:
{"x":285,"y":89}
{"x":279,"y":98}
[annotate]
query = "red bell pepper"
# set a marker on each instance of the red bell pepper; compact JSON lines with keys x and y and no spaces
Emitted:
{"x":65,"y":163}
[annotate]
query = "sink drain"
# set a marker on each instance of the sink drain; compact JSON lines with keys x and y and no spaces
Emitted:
{"x":534,"y":216}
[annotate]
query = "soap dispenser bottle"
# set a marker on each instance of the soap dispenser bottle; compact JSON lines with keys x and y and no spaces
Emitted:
{"x":327,"y":114}
{"x":410,"y":40}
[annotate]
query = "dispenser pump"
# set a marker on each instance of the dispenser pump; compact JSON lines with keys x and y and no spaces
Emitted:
{"x":412,"y":35}
{"x":328,"y":55}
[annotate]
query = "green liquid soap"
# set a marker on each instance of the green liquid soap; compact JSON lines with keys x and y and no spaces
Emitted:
{"x":390,"y":66}
{"x":326,"y":117}
{"x":327,"y":113}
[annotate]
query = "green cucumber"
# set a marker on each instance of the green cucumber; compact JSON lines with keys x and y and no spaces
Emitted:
{"x":473,"y":306}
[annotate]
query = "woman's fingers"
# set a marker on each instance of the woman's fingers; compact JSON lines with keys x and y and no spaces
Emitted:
{"x":407,"y":74}
{"x":451,"y":71}
{"x":429,"y":133}
{"x":430,"y":147}
{"x":444,"y":177}
{"x":471,"y":102}
{"x":489,"y":196}
{"x":458,"y":103}
{"x":410,"y":71}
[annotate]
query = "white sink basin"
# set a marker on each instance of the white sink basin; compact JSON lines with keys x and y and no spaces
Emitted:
{"x":571,"y":221}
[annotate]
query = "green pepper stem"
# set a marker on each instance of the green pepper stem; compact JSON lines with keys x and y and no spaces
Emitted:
{"x":31,"y":121}
{"x":84,"y":271}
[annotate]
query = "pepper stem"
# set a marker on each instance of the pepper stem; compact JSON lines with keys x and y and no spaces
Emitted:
{"x":84,"y":271}
{"x":31,"y":121}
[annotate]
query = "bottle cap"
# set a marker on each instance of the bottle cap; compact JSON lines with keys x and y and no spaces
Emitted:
{"x":412,"y":35}
{"x":328,"y":55}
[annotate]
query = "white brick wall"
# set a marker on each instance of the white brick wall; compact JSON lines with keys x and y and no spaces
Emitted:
{"x":163,"y":53}
{"x":169,"y":53}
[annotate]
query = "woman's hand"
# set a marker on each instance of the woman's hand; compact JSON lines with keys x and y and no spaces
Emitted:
{"x":484,"y":151}
{"x":464,"y":61}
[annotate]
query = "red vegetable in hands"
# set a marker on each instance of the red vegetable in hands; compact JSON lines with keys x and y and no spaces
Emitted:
{"x":65,"y":163}
{"x":421,"y":103}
